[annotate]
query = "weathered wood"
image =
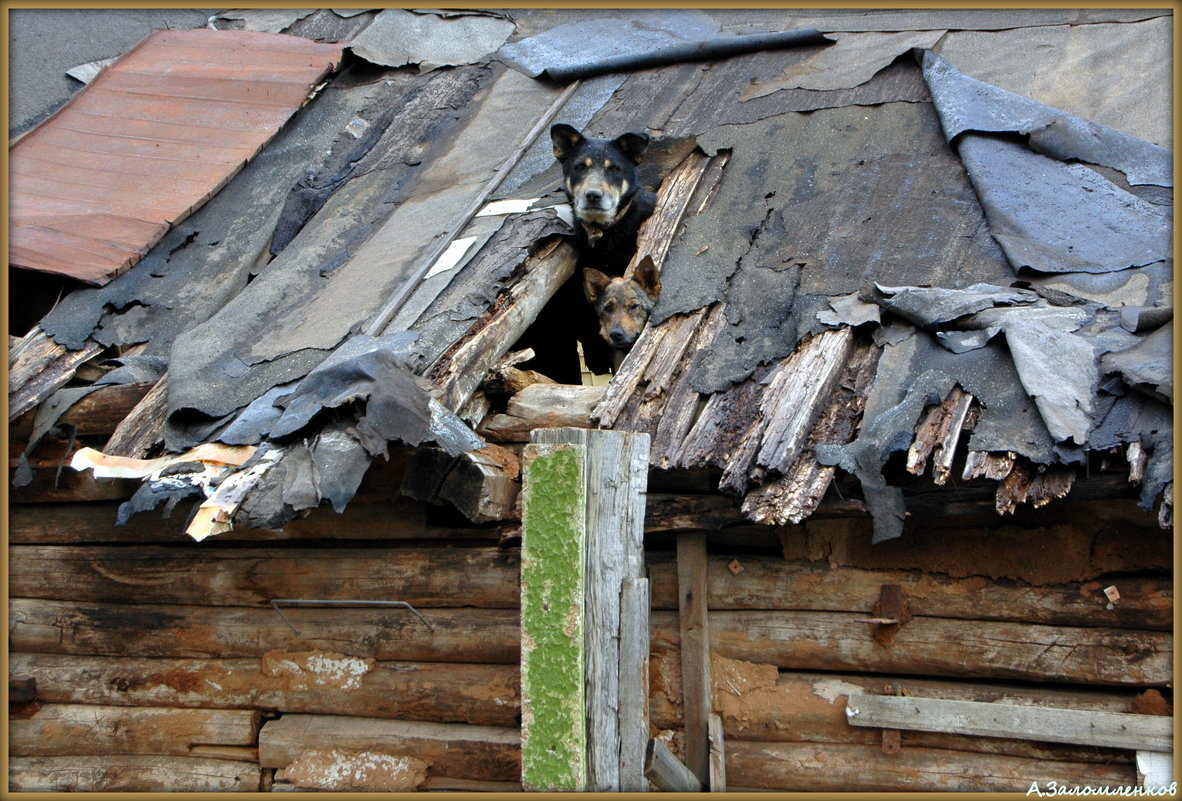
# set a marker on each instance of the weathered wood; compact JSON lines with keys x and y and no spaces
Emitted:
{"x":229,"y":576}
{"x":482,"y":636}
{"x":717,"y":755}
{"x":51,"y":486}
{"x":142,"y":429}
{"x":1078,"y":727}
{"x":959,"y":417}
{"x":115,"y":773}
{"x":936,"y":646}
{"x":982,"y":464}
{"x":811,"y":767}
{"x":543,"y":406}
{"x":770,"y":582}
{"x":553,"y":651}
{"x":95,"y":414}
{"x":313,"y":682}
{"x":39,"y":367}
{"x":665,"y":770}
{"x":81,"y":523}
{"x":634,"y":683}
{"x":800,"y":491}
{"x":331,"y":768}
{"x":482,"y":484}
{"x":757,"y":702}
{"x":1050,"y":485}
{"x":695,"y":641}
{"x":22,"y":687}
{"x":615,"y":475}
{"x":485,"y":753}
{"x":505,"y":379}
{"x":937,"y":433}
{"x":459,"y":372}
{"x":673,"y":198}
{"x":65,"y":729}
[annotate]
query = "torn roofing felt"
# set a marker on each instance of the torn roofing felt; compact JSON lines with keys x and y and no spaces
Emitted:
{"x":637,"y":41}
{"x":1048,"y":212}
{"x":187,"y":108}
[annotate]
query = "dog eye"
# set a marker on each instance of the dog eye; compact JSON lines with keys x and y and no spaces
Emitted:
{"x":614,"y":168}
{"x":580,"y":167}
{"x":634,"y":307}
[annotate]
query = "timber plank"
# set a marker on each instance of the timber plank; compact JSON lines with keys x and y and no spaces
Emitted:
{"x":73,"y":729}
{"x":460,"y":751}
{"x":759,"y":703}
{"x":543,"y":405}
{"x":313,"y":682}
{"x":142,"y":428}
{"x":213,"y":576}
{"x":117,"y":773}
{"x":695,"y":642}
{"x":1075,"y":726}
{"x":482,"y":636}
{"x":936,"y":646}
{"x":97,"y":413}
{"x":38,"y":367}
{"x":812,"y":767}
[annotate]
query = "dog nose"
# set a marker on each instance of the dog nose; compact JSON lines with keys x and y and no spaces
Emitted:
{"x":593,"y":197}
{"x":618,"y":336}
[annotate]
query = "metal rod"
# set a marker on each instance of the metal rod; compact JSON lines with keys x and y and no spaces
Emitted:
{"x":308,"y":602}
{"x":392,"y":306}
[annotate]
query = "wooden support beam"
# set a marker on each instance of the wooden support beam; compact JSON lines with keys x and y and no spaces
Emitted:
{"x":142,"y":429}
{"x":697,"y":684}
{"x":665,"y":770}
{"x":1079,"y":727}
{"x":543,"y":406}
{"x":97,"y":413}
{"x":615,"y":476}
{"x":717,"y":755}
{"x":482,"y":484}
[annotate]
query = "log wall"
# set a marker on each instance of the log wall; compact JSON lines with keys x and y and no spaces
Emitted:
{"x":160,"y":664}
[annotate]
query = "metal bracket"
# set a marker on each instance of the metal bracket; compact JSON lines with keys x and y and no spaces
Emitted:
{"x":275,"y":602}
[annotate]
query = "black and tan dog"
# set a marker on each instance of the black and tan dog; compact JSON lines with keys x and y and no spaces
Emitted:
{"x":602,"y":181}
{"x":623,"y":305}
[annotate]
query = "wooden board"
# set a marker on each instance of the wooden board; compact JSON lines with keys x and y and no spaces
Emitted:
{"x":1080,"y":727}
{"x":694,"y":631}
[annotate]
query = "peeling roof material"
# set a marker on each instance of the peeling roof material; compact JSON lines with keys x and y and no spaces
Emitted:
{"x":396,"y":38}
{"x":151,"y":139}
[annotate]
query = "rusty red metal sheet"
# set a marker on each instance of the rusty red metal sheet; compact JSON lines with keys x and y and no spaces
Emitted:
{"x":156,"y":134}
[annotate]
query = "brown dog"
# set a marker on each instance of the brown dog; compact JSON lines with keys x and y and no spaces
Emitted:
{"x":623,"y":305}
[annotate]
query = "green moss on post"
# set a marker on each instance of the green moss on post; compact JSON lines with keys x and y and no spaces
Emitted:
{"x":553,"y":727}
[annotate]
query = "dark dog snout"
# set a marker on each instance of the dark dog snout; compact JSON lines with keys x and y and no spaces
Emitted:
{"x":594,"y":198}
{"x":618,"y":336}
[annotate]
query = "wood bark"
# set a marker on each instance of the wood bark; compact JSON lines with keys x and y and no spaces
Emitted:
{"x":131,"y":774}
{"x":481,"y":636}
{"x":66,"y":729}
{"x":772,"y":582}
{"x":936,"y":646}
{"x":812,"y":767}
{"x":314,"y":682}
{"x":219,"y":576}
{"x":483,"y":753}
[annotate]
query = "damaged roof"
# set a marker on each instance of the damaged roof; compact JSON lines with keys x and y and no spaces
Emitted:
{"x":882,"y":245}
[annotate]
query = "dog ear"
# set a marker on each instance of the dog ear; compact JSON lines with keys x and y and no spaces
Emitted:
{"x":632,"y":145}
{"x":648,"y":277}
{"x":594,"y":283}
{"x":565,"y":139}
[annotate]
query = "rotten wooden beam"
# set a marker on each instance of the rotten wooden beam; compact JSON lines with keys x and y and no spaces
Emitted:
{"x":96,"y":414}
{"x":666,"y":772}
{"x":142,"y":429}
{"x":542,"y":405}
{"x":38,"y":367}
{"x":461,"y":370}
{"x":482,"y":484}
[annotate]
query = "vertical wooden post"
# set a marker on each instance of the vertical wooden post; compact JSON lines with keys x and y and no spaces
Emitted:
{"x":553,"y":738}
{"x":615,"y":476}
{"x":696,"y":682}
{"x":634,"y":650}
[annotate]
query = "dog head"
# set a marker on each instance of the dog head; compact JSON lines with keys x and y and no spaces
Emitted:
{"x":623,"y":305}
{"x":599,"y":175}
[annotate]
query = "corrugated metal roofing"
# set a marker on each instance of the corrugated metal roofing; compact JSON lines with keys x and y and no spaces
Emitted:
{"x":150,"y":140}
